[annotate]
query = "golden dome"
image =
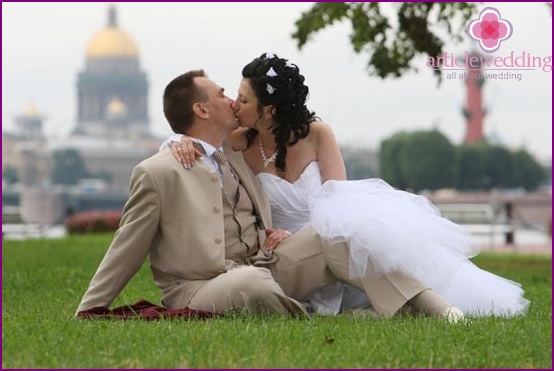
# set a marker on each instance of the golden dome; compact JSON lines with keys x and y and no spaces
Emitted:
{"x":111,"y":41}
{"x":116,"y":107}
{"x":31,"y":111}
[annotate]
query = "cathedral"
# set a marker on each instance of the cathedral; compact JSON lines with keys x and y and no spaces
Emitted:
{"x":111,"y":133}
{"x":112,"y":91}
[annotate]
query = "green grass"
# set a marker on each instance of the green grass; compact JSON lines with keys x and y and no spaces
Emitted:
{"x":43,"y":281}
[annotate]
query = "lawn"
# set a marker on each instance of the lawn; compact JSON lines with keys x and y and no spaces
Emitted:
{"x":43,"y":281}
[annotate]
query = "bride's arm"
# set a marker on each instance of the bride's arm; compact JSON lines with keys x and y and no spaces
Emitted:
{"x":328,"y":153}
{"x":182,"y":149}
{"x":184,"y":152}
{"x":169,"y":141}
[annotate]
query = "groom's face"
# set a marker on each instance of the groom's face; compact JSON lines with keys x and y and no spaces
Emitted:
{"x":218,"y":105}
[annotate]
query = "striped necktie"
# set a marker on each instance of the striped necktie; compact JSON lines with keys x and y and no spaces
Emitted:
{"x":230,"y":183}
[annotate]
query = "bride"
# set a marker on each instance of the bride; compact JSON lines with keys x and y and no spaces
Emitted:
{"x":300,"y":168}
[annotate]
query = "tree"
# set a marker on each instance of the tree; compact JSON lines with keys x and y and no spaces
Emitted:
{"x":68,"y":167}
{"x":418,"y":160}
{"x":391,"y":49}
{"x":528,"y":173}
{"x":471,"y":171}
{"x":428,"y":161}
{"x":390,"y":158}
{"x":499,"y":166}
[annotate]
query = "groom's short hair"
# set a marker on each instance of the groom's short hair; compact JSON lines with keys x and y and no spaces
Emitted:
{"x":179,"y":97}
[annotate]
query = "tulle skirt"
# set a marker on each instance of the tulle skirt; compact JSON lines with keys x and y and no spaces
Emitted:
{"x":392,"y":230}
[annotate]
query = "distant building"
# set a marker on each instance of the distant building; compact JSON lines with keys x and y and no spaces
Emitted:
{"x":111,"y":133}
{"x":10,"y":152}
{"x":112,"y":91}
{"x":29,"y":124}
{"x":26,"y":149}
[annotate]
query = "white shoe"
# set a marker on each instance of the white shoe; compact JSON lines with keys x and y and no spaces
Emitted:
{"x":453,"y":314}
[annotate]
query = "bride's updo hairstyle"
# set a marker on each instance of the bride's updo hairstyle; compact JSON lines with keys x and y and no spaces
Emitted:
{"x":277,"y":82}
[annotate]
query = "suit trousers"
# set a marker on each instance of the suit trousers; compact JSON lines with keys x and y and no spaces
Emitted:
{"x":306,"y":264}
{"x":245,"y":287}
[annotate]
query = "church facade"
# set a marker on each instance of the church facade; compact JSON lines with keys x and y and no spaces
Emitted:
{"x":112,"y":91}
{"x":111,"y":135}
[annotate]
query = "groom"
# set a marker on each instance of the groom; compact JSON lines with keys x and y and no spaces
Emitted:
{"x":205,"y":230}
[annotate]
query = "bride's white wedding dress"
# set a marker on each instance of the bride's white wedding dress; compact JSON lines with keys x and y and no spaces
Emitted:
{"x":394,"y":230}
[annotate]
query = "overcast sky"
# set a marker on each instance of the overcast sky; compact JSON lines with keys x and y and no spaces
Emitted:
{"x":43,"y":49}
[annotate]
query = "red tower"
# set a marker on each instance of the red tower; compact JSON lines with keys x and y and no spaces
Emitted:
{"x":473,"y":111}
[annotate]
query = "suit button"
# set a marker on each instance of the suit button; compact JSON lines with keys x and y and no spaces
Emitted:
{"x":217,"y":209}
{"x":214,"y":177}
{"x":218,"y":240}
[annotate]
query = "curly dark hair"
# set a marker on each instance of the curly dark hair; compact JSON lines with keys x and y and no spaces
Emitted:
{"x":277,"y":82}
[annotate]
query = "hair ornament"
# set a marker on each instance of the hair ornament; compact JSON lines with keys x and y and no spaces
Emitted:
{"x":270,"y":89}
{"x":271,"y":72}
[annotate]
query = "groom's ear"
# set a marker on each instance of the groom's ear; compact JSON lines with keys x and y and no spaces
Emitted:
{"x":200,"y":110}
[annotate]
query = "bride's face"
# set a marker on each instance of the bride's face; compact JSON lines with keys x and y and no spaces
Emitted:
{"x":246,"y":106}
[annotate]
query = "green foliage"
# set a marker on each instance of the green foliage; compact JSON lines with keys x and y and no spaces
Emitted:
{"x":427,"y":160}
{"x":483,"y":166}
{"x":43,"y":281}
{"x":528,"y":173}
{"x":391,"y":48}
{"x":423,"y":159}
{"x":389,"y":157}
{"x":68,"y":167}
{"x":499,"y":166}
{"x":9,"y":174}
{"x":472,"y":173}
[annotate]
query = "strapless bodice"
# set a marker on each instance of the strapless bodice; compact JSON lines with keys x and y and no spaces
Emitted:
{"x":289,"y":201}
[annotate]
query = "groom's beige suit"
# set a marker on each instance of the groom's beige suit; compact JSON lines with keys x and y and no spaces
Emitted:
{"x":174,"y":217}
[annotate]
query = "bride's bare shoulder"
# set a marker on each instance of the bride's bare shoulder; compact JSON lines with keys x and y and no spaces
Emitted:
{"x":320,"y":132}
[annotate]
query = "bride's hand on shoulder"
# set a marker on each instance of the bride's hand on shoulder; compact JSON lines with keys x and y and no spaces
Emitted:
{"x":184,"y":152}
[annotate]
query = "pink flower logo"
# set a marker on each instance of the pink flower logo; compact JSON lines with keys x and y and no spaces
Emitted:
{"x":489,"y":29}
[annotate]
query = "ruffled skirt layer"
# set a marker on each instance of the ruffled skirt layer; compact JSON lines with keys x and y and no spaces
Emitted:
{"x":394,"y":230}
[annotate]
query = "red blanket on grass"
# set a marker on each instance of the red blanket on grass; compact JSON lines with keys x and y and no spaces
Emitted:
{"x":144,"y":310}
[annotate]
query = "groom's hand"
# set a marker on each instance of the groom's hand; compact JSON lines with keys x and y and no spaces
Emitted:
{"x":274,"y":237}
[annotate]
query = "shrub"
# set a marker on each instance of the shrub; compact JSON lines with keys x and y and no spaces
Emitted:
{"x":93,"y":222}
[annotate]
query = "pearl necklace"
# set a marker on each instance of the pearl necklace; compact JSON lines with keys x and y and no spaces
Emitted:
{"x":267,"y":161}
